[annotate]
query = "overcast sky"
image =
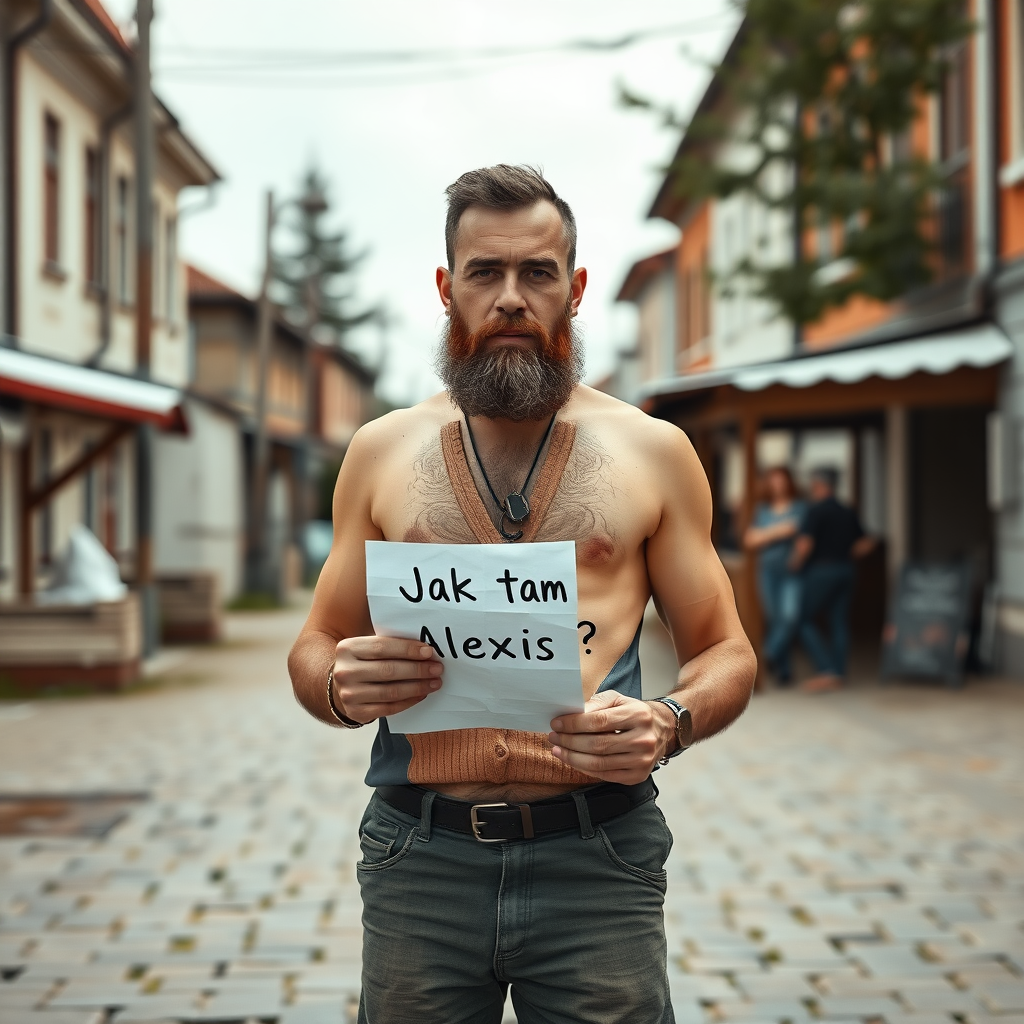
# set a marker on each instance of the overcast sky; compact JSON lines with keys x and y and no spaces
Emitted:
{"x":390,"y":137}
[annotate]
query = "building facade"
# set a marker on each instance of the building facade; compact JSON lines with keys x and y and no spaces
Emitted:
{"x":70,"y":396}
{"x":317,"y":396}
{"x":917,"y":402}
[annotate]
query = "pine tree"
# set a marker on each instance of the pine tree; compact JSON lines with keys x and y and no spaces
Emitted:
{"x":314,"y":279}
{"x":825,"y":92}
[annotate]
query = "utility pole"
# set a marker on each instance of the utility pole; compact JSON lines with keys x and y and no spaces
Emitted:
{"x":259,"y":570}
{"x":144,"y":160}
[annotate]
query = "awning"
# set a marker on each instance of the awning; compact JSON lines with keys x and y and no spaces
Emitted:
{"x":979,"y":346}
{"x":93,"y":392}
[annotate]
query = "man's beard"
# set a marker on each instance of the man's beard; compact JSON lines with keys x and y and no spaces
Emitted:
{"x":508,"y":382}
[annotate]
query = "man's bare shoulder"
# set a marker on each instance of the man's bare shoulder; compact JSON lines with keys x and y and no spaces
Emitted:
{"x":403,"y":427}
{"x":600,"y":413}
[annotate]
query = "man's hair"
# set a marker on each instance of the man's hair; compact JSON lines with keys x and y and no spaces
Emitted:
{"x":504,"y":187}
{"x":828,"y":475}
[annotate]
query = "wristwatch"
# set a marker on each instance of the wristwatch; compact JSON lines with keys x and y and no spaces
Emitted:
{"x":684,"y":727}
{"x":346,"y":722}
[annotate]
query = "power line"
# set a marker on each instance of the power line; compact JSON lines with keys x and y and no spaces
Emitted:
{"x":224,"y":66}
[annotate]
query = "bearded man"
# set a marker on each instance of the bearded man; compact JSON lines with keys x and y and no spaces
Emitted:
{"x":493,"y":857}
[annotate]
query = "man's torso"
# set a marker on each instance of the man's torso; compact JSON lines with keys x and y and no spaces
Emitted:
{"x":835,"y":528}
{"x":605,"y":499}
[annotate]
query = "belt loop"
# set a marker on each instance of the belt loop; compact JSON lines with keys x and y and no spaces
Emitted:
{"x":583,"y":813}
{"x":426,"y":806}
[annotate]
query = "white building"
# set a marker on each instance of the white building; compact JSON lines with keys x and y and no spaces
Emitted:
{"x":68,"y":400}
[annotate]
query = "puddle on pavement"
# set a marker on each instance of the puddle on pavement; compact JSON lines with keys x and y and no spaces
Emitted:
{"x":89,"y":815}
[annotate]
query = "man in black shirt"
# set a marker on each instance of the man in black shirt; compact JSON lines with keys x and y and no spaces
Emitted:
{"x":830,"y":538}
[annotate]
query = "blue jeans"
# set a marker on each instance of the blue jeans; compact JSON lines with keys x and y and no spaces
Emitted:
{"x":571,"y":920}
{"x":828,"y":590}
{"x":780,"y":603}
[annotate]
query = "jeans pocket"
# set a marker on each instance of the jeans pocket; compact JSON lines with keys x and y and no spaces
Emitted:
{"x":639,"y":844}
{"x":382,"y":839}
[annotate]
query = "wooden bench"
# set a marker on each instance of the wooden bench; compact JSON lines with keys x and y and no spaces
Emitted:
{"x":94,"y":645}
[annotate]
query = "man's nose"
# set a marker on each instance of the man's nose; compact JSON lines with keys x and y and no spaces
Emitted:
{"x":511,"y":301}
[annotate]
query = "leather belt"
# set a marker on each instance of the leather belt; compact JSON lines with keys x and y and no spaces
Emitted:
{"x":499,"y":822}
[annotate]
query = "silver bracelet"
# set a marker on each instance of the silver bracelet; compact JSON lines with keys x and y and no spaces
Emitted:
{"x":345,"y":721}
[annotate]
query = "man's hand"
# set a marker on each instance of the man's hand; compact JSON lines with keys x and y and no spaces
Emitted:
{"x":375,"y":676}
{"x":616,"y":739}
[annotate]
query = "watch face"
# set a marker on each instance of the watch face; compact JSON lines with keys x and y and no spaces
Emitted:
{"x":684,"y":728}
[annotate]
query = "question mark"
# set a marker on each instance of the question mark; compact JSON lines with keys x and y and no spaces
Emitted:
{"x":590,"y":632}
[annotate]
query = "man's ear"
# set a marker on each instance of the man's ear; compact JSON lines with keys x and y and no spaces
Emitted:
{"x":444,"y":287}
{"x":578,"y":287}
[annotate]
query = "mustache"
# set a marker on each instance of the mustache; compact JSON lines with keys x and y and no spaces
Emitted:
{"x":555,"y":345}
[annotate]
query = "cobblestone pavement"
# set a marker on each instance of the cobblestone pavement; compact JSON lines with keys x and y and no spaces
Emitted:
{"x":852,"y":857}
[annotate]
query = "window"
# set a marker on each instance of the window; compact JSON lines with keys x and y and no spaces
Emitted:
{"x":170,"y":268}
{"x":954,"y":124}
{"x":51,"y":189}
{"x":155,"y":278}
{"x":121,"y":229}
{"x":1017,"y":75}
{"x":92,"y":217}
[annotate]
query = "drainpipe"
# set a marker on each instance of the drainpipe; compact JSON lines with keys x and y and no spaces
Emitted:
{"x":107,"y":297}
{"x":15,"y":43}
{"x":994,"y":40}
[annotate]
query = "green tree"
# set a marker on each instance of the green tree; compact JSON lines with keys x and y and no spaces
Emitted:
{"x":314,"y":277}
{"x":817,"y":99}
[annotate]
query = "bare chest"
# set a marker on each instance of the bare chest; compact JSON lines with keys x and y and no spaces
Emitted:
{"x":589,"y":505}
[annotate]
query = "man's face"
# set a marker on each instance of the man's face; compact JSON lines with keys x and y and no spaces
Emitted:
{"x":509,"y":351}
{"x":820,"y":488}
{"x":511,"y":264}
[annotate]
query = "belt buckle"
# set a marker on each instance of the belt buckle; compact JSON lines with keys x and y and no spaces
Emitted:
{"x":476,"y":823}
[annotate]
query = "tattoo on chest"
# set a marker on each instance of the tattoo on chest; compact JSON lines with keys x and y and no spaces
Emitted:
{"x":431,"y":506}
{"x":584,"y":502}
{"x":582,"y":508}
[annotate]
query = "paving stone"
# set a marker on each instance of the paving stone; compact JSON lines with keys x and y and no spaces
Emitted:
{"x":806,"y":822}
{"x":53,"y":1017}
{"x":762,"y":1010}
{"x":1002,"y":997}
{"x":946,"y":1000}
{"x":848,"y":1007}
{"x":317,"y":1013}
{"x":95,"y":994}
{"x":894,"y":960}
{"x":931,"y":1017}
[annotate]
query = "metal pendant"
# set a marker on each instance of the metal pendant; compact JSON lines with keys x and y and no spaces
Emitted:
{"x":516,"y":507}
{"x":504,"y":532}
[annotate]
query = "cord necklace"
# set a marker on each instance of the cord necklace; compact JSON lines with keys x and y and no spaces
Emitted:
{"x":515,"y":508}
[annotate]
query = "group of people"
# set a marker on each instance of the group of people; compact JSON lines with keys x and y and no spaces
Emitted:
{"x":806,"y":553}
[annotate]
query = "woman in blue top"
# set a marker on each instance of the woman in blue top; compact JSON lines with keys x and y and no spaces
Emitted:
{"x":776,"y":522}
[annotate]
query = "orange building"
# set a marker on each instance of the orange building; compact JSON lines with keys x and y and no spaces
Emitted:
{"x":916,"y":403}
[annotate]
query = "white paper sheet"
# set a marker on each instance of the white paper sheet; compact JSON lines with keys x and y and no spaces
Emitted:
{"x":502,"y":618}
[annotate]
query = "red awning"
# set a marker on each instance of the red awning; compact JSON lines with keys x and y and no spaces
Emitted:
{"x":93,"y":392}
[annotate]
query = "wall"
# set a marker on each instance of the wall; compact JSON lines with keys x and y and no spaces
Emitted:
{"x":342,"y":403}
{"x":1010,"y":518}
{"x":199,"y":495}
{"x":693,"y":313}
{"x":59,"y":315}
{"x":744,"y":328}
{"x":656,"y":327}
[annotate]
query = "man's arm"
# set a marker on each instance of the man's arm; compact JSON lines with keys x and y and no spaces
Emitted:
{"x":373,"y":676}
{"x":802,"y":548}
{"x":757,"y":537}
{"x":620,"y":739}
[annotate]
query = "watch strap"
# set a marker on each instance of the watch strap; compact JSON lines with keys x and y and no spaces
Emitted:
{"x":679,"y":711}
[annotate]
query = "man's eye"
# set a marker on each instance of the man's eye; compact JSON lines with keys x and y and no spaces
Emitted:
{"x":484,"y":272}
{"x":538,"y":273}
